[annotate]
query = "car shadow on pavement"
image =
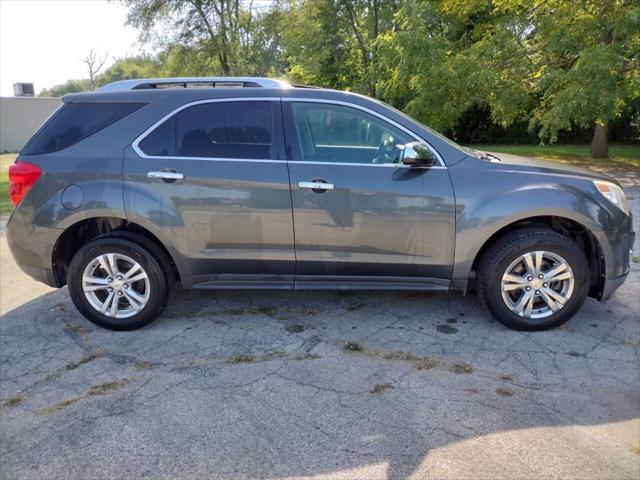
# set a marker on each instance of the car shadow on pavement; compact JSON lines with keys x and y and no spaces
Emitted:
{"x":246,"y":384}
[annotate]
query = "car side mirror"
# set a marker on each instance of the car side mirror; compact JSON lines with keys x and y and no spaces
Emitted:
{"x":417,"y":154}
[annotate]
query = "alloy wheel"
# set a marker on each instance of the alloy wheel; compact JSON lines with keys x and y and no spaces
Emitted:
{"x":116,"y":285}
{"x":537,"y":284}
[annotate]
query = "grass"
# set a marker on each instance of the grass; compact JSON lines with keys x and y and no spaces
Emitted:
{"x":14,"y":400}
{"x":620,"y":156}
{"x":6,"y":159}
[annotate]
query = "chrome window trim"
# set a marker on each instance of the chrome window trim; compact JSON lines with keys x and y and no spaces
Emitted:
{"x":375,"y":114}
{"x":136,"y":143}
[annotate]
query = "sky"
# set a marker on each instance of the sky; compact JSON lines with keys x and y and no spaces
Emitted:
{"x":44,"y":41}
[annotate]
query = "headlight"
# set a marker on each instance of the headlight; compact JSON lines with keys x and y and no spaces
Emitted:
{"x":613,"y":193}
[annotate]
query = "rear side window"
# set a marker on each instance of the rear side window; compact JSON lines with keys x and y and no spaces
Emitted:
{"x":74,"y":122}
{"x":215,"y":130}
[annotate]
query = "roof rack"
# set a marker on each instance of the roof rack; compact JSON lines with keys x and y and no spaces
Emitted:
{"x":151,"y":83}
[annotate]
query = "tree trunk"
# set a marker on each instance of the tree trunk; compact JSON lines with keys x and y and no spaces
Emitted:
{"x":599,"y":145}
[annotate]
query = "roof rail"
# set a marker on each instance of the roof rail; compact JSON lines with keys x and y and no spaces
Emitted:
{"x":150,"y":83}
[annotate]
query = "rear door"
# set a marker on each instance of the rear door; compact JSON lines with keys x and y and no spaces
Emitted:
{"x":211,"y":180}
{"x":360,"y":215}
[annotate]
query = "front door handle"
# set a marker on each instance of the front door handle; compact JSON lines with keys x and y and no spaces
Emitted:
{"x":316,"y":185}
{"x":166,"y":175}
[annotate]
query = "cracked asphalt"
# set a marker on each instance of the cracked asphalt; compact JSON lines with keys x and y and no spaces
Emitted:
{"x":322,"y":385}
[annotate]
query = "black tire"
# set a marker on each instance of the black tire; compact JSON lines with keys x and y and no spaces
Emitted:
{"x":136,"y":247}
{"x":507,"y":249}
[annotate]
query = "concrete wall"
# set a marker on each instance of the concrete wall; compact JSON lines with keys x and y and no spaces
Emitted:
{"x":20,"y":117}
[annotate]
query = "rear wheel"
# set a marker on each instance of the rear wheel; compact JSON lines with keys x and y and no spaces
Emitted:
{"x":117,"y":283}
{"x":533,"y":279}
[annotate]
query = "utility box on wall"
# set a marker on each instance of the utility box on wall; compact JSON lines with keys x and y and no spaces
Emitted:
{"x":23,"y":90}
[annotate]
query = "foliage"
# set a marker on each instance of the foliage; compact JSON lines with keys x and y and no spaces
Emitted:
{"x":587,"y":65}
{"x":127,"y":68}
{"x":70,"y":86}
{"x":236,"y":38}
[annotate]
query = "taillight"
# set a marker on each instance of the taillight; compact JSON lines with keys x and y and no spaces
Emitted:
{"x":22,"y":176}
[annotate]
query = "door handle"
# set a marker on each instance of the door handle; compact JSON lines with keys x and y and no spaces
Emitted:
{"x":316,"y":185}
{"x":170,"y":176}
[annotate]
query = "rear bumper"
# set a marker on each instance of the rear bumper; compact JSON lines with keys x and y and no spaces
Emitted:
{"x":32,"y":247}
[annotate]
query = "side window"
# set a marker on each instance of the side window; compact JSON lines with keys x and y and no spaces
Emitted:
{"x":215,"y":130}
{"x":336,"y":133}
{"x":74,"y":122}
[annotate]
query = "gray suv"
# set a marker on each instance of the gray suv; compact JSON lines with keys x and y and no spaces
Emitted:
{"x":230,"y":183}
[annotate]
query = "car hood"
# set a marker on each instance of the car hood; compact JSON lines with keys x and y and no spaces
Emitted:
{"x":536,"y":165}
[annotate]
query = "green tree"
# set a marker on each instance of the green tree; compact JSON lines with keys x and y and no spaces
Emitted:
{"x":446,"y":57}
{"x":140,"y":66}
{"x":241,"y":40}
{"x":70,"y":86}
{"x":587,"y":65}
{"x":335,"y":42}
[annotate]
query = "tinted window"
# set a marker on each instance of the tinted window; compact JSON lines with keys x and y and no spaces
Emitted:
{"x":336,"y":133}
{"x":74,"y":122}
{"x":214,"y":130}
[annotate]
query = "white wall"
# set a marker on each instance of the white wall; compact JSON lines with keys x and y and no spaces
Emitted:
{"x":20,"y":117}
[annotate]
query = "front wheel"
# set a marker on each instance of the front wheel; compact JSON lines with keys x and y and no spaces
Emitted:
{"x":117,"y":284}
{"x":533,"y":279}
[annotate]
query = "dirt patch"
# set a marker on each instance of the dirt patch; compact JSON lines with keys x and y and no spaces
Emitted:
{"x":426,"y":363}
{"x":507,"y":377}
{"x":272,"y":355}
{"x":294,"y":328}
{"x":420,"y":363}
{"x":198,"y":362}
{"x":505,"y":391}
{"x":74,"y":327}
{"x":307,"y":356}
{"x":13,"y":400}
{"x":380,"y":388}
{"x":56,"y":407}
{"x":239,"y":359}
{"x":265,"y":357}
{"x":448,"y":329}
{"x":90,"y":357}
{"x":352,"y":346}
{"x":141,"y":365}
{"x":461,"y":368}
{"x":103,"y":388}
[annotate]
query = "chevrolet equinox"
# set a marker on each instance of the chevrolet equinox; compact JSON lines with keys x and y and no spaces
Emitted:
{"x":231,"y":183}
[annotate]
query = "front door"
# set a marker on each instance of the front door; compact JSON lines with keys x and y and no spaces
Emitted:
{"x":359,"y":215}
{"x":211,"y":181}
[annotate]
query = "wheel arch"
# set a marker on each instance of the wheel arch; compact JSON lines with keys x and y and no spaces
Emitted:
{"x":570,"y":228}
{"x":83,"y":231}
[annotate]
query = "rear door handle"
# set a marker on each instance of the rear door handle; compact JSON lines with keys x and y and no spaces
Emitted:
{"x":316,"y":185}
{"x":166,"y":175}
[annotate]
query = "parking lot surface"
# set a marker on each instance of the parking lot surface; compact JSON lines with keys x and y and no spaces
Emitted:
{"x":322,"y":385}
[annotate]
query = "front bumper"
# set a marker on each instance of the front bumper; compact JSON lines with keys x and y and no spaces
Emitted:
{"x":617,"y":250}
